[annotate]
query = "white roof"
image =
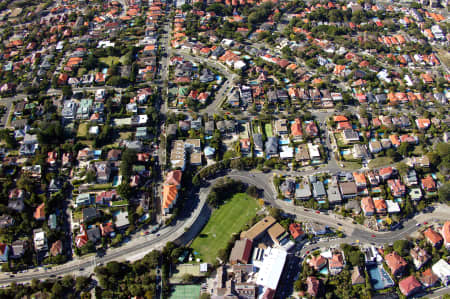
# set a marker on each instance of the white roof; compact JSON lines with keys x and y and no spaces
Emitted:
{"x":286,"y":152}
{"x":204,"y":267}
{"x":272,"y":267}
{"x":392,"y":206}
{"x":441,"y":268}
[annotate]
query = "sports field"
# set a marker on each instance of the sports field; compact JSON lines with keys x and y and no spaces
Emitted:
{"x":228,"y":219}
{"x":186,"y":292}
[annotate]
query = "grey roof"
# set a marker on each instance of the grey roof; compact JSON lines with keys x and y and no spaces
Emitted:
{"x":318,"y":189}
{"x":94,"y":234}
{"x":272,"y":146}
{"x":334,"y":196}
{"x":89,"y":214}
{"x":303,"y":190}
{"x":257,"y":140}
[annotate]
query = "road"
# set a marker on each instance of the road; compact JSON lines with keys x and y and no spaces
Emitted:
{"x":224,"y":89}
{"x":188,"y":228}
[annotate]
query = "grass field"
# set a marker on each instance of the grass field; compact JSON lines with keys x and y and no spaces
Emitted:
{"x":82,"y":130}
{"x":230,"y":218}
{"x":268,"y":129}
{"x":381,"y":161}
{"x":110,"y":60}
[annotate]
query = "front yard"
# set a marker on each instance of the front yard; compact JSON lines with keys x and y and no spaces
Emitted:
{"x":227,"y":220}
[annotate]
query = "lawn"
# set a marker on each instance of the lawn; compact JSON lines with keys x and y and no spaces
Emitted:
{"x":380,"y":161}
{"x":110,"y":60}
{"x":230,"y":218}
{"x":82,"y":130}
{"x":268,"y":129}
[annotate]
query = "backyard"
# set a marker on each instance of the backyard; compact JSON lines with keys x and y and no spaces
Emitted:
{"x":228,"y":219}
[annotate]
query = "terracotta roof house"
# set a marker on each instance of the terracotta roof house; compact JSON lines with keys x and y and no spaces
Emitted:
{"x":174,"y":178}
{"x":313,"y":285}
{"x":386,"y":172}
{"x":4,"y":252}
{"x":39,"y":213}
{"x":114,"y":154}
{"x":428,"y":278}
{"x":445,"y":232}
{"x":368,"y":206}
{"x":336,"y":263}
{"x":396,"y":263}
{"x":56,"y":248}
{"x":428,"y":184}
{"x":106,"y":229}
{"x":409,"y":286}
{"x":296,"y":130}
{"x":433,"y":237}
{"x":170,"y":194}
{"x":241,"y":252}
{"x":380,"y":206}
{"x":317,"y":262}
{"x":296,"y":231}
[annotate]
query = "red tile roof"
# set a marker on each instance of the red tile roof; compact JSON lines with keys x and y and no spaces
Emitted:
{"x":433,"y":237}
{"x":409,"y":285}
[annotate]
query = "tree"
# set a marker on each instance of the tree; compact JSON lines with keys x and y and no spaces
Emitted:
{"x":404,"y":149}
{"x":187,"y":278}
{"x":401,"y":246}
{"x":129,"y":157}
{"x":402,"y":168}
{"x":81,"y":283}
{"x":253,"y":191}
{"x":124,"y":190}
{"x":444,"y":192}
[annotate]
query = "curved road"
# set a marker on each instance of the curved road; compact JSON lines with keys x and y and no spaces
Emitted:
{"x":193,"y":224}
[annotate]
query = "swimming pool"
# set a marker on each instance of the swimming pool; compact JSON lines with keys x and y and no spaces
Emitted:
{"x":283,"y":141}
{"x":345,"y":152}
{"x":324,"y":271}
{"x":379,"y":278}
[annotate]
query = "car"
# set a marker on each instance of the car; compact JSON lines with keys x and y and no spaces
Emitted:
{"x":307,"y":252}
{"x":373,"y":236}
{"x":158,"y":235}
{"x":340,"y":224}
{"x":306,"y":210}
{"x":317,"y":212}
{"x":418,"y":224}
{"x":147,"y":232}
{"x":425,"y":223}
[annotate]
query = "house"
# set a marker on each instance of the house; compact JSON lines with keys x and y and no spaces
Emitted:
{"x":121,"y":220}
{"x":6,"y":221}
{"x":317,"y":262}
{"x":114,"y":155}
{"x":302,"y":154}
{"x":241,"y":252}
{"x":56,"y":248}
{"x":380,"y":206}
{"x":350,"y":136}
{"x":392,"y":207}
{"x":428,"y":184}
{"x":89,"y":214}
{"x":271,"y":147}
{"x":334,"y":195}
{"x":296,"y":130}
{"x":442,"y":270}
{"x":433,"y":237}
{"x":336,"y":263}
{"x":319,"y":190}
{"x":313,"y":286}
{"x":397,"y":188}
{"x":39,"y":213}
{"x":396,"y":263}
{"x":317,"y":229}
{"x":4,"y":252}
{"x":40,"y":240}
{"x":409,"y":286}
{"x":375,"y":146}
{"x":360,"y":180}
{"x":445,"y":232}
{"x":94,"y":234}
{"x":357,"y":276}
{"x":368,"y":206}
{"x":103,"y":172}
{"x":360,"y":151}
{"x":281,"y":127}
{"x":348,"y":189}
{"x":302,"y":190}
{"x":385,"y":173}
{"x":410,"y":178}
{"x":18,"y":249}
{"x":420,"y":256}
{"x":296,"y":231}
{"x":288,"y":188}
{"x":428,"y":279}
{"x":314,"y":151}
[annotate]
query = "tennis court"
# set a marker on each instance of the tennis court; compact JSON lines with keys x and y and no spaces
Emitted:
{"x":186,"y":292}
